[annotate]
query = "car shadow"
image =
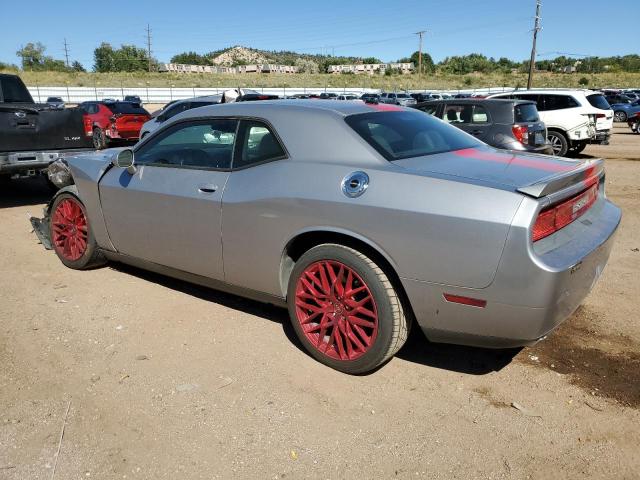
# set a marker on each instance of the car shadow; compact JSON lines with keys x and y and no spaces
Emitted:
{"x":417,"y":349}
{"x":22,"y":192}
{"x":455,"y":358}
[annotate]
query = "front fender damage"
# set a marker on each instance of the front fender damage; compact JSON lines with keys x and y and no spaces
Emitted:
{"x":41,"y":226}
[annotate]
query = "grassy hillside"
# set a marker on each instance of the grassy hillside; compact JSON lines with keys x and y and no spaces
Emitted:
{"x":437,"y":81}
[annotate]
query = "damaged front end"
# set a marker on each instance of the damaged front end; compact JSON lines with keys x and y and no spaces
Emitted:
{"x":42,"y":226}
{"x":59,"y":173}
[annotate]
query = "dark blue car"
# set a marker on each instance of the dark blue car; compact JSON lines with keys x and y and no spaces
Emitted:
{"x":622,"y":111}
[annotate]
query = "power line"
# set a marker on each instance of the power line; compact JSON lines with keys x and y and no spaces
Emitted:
{"x":149,"y":45}
{"x":420,"y":34}
{"x":66,"y":52}
{"x":536,"y":29}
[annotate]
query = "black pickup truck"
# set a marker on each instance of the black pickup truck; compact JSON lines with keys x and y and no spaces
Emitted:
{"x":33,"y":135}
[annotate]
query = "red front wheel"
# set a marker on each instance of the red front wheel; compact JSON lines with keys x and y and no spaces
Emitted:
{"x":344,"y":309}
{"x":71,"y":235}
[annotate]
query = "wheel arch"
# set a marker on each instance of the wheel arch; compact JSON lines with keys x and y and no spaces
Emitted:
{"x":307,"y":239}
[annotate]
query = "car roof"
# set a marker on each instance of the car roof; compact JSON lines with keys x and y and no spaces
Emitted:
{"x":480,"y":101}
{"x":555,"y":91}
{"x":262,"y":109}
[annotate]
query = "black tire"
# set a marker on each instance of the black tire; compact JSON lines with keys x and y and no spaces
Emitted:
{"x":99,"y":139}
{"x":579,"y":148}
{"x":620,"y":116}
{"x":392,"y":323}
{"x":91,"y":256}
{"x":558,"y":142}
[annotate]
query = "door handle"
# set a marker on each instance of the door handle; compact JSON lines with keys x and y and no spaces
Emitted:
{"x":207,"y":188}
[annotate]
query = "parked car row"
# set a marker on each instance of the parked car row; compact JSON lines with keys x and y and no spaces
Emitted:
{"x":505,"y":124}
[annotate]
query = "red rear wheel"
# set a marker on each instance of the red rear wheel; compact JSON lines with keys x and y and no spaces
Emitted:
{"x":336,"y":310}
{"x":344,"y":309}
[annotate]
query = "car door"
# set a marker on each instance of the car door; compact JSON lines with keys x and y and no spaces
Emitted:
{"x":168,"y":211}
{"x":480,"y":126}
{"x":254,"y":224}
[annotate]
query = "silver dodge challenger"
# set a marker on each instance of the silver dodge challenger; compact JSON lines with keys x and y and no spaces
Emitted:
{"x":360,"y":219}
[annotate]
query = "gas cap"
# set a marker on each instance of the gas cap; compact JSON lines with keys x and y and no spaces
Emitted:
{"x":355,"y":184}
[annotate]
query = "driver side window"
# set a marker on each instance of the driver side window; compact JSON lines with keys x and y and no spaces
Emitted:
{"x":201,"y":144}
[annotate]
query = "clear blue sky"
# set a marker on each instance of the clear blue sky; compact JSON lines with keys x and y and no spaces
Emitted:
{"x":361,"y":28}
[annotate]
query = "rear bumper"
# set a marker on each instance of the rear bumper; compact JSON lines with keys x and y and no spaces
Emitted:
{"x":535,"y":289}
{"x":123,"y":134}
{"x":19,"y":162}
{"x":601,"y":137}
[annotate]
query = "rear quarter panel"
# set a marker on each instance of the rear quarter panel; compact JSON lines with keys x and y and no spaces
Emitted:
{"x":431,"y":229}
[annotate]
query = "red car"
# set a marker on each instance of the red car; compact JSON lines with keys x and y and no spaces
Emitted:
{"x":106,"y":121}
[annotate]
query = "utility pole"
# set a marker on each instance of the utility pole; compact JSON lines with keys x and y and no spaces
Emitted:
{"x":536,"y":29}
{"x":66,"y":51}
{"x":420,"y":34}
{"x":149,"y":45}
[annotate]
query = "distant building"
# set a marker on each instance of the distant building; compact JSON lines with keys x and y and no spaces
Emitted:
{"x":258,"y":68}
{"x":371,"y":68}
{"x":267,"y":68}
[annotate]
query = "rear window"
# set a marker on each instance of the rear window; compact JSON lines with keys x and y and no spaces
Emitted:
{"x":13,"y":90}
{"x":598,"y":101}
{"x":398,"y":135}
{"x":126,"y":108}
{"x":526,"y":113}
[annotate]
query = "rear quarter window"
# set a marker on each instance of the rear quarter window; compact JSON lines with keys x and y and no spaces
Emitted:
{"x":598,"y":101}
{"x":398,"y":135}
{"x":526,"y":113}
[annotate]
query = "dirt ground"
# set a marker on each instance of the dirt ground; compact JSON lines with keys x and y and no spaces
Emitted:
{"x":164,"y":380}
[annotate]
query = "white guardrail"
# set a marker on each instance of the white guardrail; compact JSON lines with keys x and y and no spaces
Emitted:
{"x":164,"y":95}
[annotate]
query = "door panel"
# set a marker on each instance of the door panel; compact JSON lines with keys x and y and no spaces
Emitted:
{"x":170,"y":216}
{"x":169,"y":210}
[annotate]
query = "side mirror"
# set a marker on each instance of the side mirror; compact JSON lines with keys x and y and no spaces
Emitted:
{"x":125,"y":159}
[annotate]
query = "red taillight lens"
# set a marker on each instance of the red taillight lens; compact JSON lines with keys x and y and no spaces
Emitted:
{"x":555,"y":218}
{"x":600,"y":115}
{"x":521,"y":132}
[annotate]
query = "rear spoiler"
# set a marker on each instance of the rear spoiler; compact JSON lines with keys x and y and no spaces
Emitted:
{"x":588,"y":173}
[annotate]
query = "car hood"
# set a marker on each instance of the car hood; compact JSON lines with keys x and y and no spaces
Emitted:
{"x":532,"y":174}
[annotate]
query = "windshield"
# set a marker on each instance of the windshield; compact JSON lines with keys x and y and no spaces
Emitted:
{"x":598,"y":101}
{"x":398,"y":135}
{"x":126,"y":108}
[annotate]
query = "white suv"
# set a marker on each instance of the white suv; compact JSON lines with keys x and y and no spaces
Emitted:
{"x":574,"y":118}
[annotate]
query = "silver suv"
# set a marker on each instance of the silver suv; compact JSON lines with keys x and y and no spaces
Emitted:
{"x":397,"y":98}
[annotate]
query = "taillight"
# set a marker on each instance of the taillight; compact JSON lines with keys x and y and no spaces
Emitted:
{"x":600,"y":115}
{"x":561,"y":215}
{"x":521,"y":132}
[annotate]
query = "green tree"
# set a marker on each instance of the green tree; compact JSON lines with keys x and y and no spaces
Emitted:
{"x":32,"y":55}
{"x":191,"y":58}
{"x":76,"y":66}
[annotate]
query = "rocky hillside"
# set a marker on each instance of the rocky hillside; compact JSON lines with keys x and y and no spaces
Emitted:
{"x":240,"y":56}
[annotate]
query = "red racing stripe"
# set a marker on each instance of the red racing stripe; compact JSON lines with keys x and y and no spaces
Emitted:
{"x":510,"y":159}
{"x":384,"y":107}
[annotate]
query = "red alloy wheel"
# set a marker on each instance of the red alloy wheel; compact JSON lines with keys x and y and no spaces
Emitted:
{"x":336,"y":310}
{"x":70,"y":233}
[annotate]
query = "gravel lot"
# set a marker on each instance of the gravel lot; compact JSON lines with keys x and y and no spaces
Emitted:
{"x":162,"y":379}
